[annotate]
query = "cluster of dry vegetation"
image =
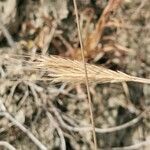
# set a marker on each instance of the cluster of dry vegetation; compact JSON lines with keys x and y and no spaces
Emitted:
{"x":66,"y":60}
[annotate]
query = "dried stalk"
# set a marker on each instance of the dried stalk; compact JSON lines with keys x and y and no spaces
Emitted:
{"x":98,"y":130}
{"x":7,"y":145}
{"x":139,"y":145}
{"x":93,"y":39}
{"x":85,"y":74}
{"x":27,"y":132}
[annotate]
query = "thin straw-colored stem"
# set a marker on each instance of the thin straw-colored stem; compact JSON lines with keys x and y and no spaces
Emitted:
{"x":86,"y":74}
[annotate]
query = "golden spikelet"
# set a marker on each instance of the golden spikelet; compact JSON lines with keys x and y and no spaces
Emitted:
{"x":72,"y":71}
{"x":58,"y":69}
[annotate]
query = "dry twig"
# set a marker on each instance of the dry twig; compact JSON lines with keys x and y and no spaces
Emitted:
{"x":63,"y":143}
{"x":98,"y":130}
{"x":7,"y":145}
{"x":7,"y":35}
{"x":21,"y":127}
{"x":135,"y":146}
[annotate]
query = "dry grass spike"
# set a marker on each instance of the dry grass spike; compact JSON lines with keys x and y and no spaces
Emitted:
{"x":71,"y":71}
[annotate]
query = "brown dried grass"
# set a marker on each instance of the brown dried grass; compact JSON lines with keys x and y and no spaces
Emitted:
{"x":71,"y":71}
{"x":58,"y":69}
{"x":92,"y":39}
